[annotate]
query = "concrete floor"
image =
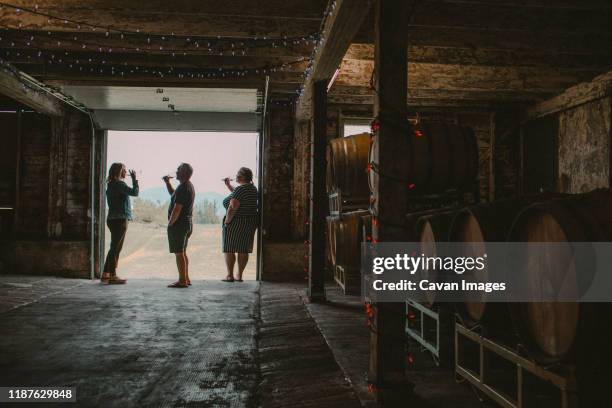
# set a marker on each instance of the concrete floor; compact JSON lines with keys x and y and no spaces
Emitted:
{"x":142,"y":344}
{"x":212,"y":345}
{"x":342,"y":322}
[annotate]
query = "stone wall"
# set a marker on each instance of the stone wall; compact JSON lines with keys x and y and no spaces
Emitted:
{"x":282,"y":253}
{"x":584,"y":147}
{"x":506,"y":154}
{"x":300,"y":192}
{"x":278,"y":175}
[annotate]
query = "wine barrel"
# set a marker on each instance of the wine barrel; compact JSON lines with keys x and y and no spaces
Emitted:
{"x":476,"y":226}
{"x":561,"y":331}
{"x":348,"y":239}
{"x":413,"y":220}
{"x":366,"y":222}
{"x":432,"y":229}
{"x":409,"y":226}
{"x":347,"y":161}
{"x":439,"y":157}
{"x":332,"y":226}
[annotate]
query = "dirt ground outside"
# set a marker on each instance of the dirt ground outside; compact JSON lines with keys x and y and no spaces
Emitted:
{"x":145,"y":254}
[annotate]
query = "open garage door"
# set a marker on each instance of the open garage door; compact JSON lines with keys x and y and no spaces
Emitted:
{"x":179,"y":109}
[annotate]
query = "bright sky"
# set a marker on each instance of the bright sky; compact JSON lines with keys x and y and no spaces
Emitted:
{"x":213,"y":155}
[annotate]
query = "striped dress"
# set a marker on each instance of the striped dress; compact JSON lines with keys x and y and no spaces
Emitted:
{"x":238,"y":235}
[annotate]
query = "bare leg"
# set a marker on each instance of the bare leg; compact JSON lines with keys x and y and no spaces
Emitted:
{"x":187,"y":279}
{"x":230,"y":260}
{"x":180,"y":264}
{"x":242,"y":263}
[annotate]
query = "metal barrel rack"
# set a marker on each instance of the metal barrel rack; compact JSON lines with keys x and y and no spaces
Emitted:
{"x":432,"y":329}
{"x":480,"y":360}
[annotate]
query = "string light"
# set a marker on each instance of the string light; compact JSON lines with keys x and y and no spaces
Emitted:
{"x":208,"y":73}
{"x":212,"y":72}
{"x":37,"y":42}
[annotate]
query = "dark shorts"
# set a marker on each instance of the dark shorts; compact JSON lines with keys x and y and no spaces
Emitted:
{"x":178,"y":236}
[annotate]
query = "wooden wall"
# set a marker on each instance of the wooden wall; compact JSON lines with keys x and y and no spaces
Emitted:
{"x":8,"y":173}
{"x":70,"y":173}
{"x":300,"y":195}
{"x":577,"y":126}
{"x":52,"y":227}
{"x":584,"y":147}
{"x":33,"y":204}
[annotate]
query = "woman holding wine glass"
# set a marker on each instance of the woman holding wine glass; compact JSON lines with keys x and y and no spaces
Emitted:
{"x":239,"y":223}
{"x":119,"y":214}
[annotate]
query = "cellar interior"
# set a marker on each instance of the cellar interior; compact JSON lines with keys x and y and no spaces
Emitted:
{"x":481,"y":122}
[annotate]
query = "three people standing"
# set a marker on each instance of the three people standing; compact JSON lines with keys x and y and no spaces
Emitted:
{"x":238,"y":227}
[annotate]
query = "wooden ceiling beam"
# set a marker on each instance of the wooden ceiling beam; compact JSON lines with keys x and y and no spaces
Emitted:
{"x":508,"y":18}
{"x":357,"y":95}
{"x":483,"y":56}
{"x":590,"y":5}
{"x":130,"y":61}
{"x":339,"y":29}
{"x":466,"y":77}
{"x":65,"y":42}
{"x":12,"y":87}
{"x":303,"y":9}
{"x":527,"y":40}
{"x":89,"y":78}
{"x":285,"y":89}
{"x":161,"y":23}
{"x":599,"y":87}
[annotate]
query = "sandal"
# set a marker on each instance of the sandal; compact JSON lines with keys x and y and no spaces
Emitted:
{"x":228,"y":280}
{"x":238,"y":280}
{"x":178,"y":284}
{"x":115,"y":280}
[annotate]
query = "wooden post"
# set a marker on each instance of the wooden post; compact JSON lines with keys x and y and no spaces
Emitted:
{"x":318,"y":195}
{"x":387,"y":350}
{"x":18,"y":165}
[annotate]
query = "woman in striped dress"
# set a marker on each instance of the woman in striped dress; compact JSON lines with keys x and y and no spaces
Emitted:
{"x":239,"y":223}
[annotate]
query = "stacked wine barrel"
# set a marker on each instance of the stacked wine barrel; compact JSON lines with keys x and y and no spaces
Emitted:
{"x":443,"y":157}
{"x":476,"y":226}
{"x":347,"y":186}
{"x":556,"y":332}
{"x":568,"y":334}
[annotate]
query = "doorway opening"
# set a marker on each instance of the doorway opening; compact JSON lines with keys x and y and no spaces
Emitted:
{"x":154,"y":154}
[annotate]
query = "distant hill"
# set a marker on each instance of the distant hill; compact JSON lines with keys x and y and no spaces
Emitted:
{"x":160,"y":195}
{"x":155,"y":194}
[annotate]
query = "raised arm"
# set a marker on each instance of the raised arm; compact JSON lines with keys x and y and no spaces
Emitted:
{"x":168,"y":185}
{"x":134,"y":190}
{"x":228,"y":184}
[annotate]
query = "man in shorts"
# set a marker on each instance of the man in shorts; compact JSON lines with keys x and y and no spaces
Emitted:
{"x":180,"y":223}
